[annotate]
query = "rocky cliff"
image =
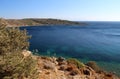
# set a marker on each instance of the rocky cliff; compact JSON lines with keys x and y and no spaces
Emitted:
{"x":59,"y":68}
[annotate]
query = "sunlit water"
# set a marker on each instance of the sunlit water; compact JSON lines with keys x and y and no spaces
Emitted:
{"x":96,"y":41}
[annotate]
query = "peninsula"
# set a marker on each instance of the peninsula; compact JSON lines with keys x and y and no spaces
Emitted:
{"x":39,"y":22}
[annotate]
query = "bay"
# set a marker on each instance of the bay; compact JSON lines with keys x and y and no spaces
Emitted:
{"x":96,"y":41}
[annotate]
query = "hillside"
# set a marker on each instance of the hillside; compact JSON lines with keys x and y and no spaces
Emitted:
{"x":39,"y":22}
{"x":60,"y":68}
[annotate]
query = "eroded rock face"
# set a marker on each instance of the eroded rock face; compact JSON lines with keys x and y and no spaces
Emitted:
{"x":50,"y":68}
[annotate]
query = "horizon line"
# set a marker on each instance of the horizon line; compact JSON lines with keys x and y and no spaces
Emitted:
{"x":66,"y":19}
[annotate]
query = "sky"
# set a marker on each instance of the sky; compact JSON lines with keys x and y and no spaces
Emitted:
{"x":77,"y":10}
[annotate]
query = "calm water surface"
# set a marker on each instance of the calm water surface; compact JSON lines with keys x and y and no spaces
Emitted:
{"x":96,"y":41}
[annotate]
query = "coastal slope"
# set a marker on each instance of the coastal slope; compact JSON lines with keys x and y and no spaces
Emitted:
{"x":60,"y":68}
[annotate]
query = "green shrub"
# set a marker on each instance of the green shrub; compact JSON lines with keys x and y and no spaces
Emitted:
{"x":75,"y":62}
{"x":13,"y":65}
{"x":13,"y":39}
{"x":94,"y":66}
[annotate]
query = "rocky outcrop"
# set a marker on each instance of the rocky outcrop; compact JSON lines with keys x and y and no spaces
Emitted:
{"x":59,"y":68}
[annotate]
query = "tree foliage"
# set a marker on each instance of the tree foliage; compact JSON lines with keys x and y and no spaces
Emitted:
{"x":12,"y":42}
{"x":12,"y":39}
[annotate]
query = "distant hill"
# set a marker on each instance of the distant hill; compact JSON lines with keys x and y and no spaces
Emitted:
{"x":39,"y":22}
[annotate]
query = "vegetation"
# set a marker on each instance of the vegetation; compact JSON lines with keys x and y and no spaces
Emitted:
{"x":13,"y":65}
{"x":75,"y":62}
{"x":37,"y":22}
{"x":94,"y":66}
{"x":12,"y":39}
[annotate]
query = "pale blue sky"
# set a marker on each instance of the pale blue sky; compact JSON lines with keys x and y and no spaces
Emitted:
{"x":82,"y":10}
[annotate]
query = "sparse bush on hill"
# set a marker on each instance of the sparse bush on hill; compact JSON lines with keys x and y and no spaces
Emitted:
{"x":75,"y":62}
{"x":94,"y":66}
{"x":13,"y":65}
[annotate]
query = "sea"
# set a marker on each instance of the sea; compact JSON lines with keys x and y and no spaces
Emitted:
{"x":94,"y":41}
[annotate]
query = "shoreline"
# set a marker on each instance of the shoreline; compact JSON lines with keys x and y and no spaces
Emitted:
{"x":40,"y":22}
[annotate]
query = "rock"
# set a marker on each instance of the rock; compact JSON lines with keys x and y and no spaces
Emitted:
{"x":63,"y":67}
{"x":54,"y":60}
{"x":47,"y":73}
{"x":49,"y":70}
{"x":86,"y":72}
{"x":62,"y":63}
{"x":26,"y":53}
{"x":74,"y":72}
{"x":49,"y":65}
{"x":46,"y":58}
{"x":60,"y":59}
{"x":39,"y":71}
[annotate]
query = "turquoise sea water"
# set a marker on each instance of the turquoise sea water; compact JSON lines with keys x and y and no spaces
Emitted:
{"x":96,"y":41}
